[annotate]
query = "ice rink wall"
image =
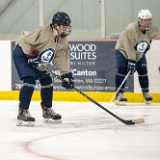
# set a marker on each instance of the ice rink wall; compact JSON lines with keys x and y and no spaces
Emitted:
{"x":94,"y":69}
{"x":94,"y":23}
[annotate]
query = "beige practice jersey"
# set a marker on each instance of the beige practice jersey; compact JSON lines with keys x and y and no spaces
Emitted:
{"x":132,"y":43}
{"x":41,"y":39}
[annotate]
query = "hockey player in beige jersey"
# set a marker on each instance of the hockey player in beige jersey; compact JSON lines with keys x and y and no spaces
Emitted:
{"x":33,"y":51}
{"x":131,"y":48}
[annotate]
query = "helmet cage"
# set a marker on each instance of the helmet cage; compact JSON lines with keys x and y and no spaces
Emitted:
{"x":68,"y":32}
{"x":145,"y":26}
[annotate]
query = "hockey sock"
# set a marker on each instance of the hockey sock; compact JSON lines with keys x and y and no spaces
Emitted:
{"x":46,"y":92}
{"x":26,"y":92}
{"x":143,"y":79}
{"x":122,"y":72}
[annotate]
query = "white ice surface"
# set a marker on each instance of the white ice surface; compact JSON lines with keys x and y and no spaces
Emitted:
{"x":86,"y":133}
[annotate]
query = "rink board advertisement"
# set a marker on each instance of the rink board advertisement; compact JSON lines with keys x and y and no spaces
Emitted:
{"x":93,"y":65}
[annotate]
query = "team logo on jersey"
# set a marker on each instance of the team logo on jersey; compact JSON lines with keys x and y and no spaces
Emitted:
{"x":47,"y":55}
{"x":44,"y":57}
{"x":141,"y":47}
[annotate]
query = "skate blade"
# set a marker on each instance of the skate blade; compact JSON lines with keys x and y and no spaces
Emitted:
{"x":148,"y":102}
{"x":120,"y":103}
{"x":47,"y":120}
{"x":24,"y":123}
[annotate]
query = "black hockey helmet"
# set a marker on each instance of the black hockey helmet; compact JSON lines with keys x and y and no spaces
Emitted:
{"x":61,"y":18}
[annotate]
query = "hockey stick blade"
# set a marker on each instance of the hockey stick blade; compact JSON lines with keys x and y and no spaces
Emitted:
{"x":127,"y":122}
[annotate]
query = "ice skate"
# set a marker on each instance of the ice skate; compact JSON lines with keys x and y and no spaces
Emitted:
{"x":147,"y":98}
{"x":24,"y":118}
{"x":120,"y":99}
{"x":50,"y":116}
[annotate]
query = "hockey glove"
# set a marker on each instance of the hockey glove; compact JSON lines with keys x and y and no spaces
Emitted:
{"x":69,"y":84}
{"x":131,"y":66}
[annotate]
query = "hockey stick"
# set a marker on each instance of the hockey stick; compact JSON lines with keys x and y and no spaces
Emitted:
{"x":119,"y":88}
{"x":127,"y":122}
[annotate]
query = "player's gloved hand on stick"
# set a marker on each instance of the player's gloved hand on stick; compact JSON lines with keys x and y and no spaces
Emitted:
{"x":131,"y":66}
{"x":69,"y":84}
